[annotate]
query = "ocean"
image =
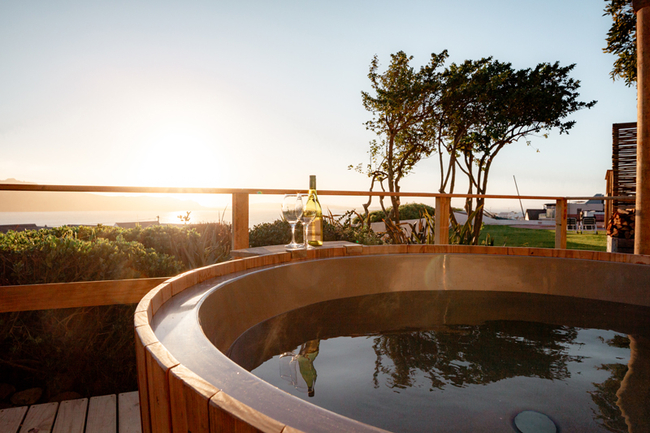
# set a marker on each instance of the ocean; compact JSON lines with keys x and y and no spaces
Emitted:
{"x":258,"y":213}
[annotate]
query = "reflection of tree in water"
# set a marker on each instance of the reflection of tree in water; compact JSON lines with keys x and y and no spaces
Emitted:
{"x":462,"y":355}
{"x":605,"y":397}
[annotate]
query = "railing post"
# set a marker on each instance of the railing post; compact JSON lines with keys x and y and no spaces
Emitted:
{"x":560,"y":223}
{"x":642,"y":220}
{"x":239,"y":221}
{"x":441,"y":235}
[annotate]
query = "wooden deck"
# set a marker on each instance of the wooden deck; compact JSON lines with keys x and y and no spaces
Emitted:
{"x":105,"y":414}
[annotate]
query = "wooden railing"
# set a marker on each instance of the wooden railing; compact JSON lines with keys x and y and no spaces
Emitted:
{"x":31,"y":297}
{"x":240,"y":203}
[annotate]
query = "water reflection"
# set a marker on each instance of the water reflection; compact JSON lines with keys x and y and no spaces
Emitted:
{"x":450,"y":354}
{"x":460,"y":355}
{"x":291,"y":364}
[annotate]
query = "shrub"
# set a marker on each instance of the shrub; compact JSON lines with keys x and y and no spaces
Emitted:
{"x":66,"y":254}
{"x":89,"y":350}
{"x":42,"y":257}
{"x":409,"y":211}
{"x":339,"y":228}
{"x":343,"y":228}
{"x":277,"y":232}
{"x":86,"y":350}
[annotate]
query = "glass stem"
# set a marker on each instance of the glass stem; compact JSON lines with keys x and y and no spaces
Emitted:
{"x":293,"y":234}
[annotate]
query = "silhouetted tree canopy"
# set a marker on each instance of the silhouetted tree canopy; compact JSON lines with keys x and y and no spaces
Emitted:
{"x":486,"y":105}
{"x":403,"y":108}
{"x":621,"y":40}
{"x":462,"y":355}
{"x":467,"y":113}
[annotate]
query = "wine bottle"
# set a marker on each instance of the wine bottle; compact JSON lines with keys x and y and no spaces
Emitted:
{"x":315,"y":228}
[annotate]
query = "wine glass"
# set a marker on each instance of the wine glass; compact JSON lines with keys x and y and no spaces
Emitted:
{"x":308,"y":215}
{"x":292,"y":212}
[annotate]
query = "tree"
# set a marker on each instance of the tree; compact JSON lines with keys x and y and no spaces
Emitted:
{"x":403,"y":109}
{"x":621,"y":40}
{"x":486,"y":105}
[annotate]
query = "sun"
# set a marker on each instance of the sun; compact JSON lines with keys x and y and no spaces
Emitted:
{"x":178,"y":156}
{"x":182,"y":155}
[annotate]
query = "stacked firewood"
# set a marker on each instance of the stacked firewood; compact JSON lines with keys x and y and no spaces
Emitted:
{"x":621,"y":224}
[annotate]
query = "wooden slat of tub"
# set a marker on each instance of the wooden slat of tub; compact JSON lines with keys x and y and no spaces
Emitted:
{"x":159,"y":361}
{"x":10,"y":419}
{"x":71,"y":417}
{"x":190,"y":397}
{"x":229,"y":414}
{"x":128,"y":413}
{"x":102,"y":414}
{"x":40,"y":418}
{"x":144,"y":336}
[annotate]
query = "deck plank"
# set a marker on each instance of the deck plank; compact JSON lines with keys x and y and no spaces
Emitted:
{"x":10,"y":419}
{"x":102,"y":414}
{"x":71,"y":417}
{"x":129,"y":412}
{"x":40,"y":418}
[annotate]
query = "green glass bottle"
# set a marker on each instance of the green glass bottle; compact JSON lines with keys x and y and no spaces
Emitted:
{"x":315,"y":228}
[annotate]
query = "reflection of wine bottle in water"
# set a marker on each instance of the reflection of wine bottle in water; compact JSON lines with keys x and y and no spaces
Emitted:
{"x":315,"y":229}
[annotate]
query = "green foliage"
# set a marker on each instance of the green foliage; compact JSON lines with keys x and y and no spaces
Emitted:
{"x":403,"y":108}
{"x":86,"y":350}
{"x":89,"y":350}
{"x":343,"y":228}
{"x":277,"y":232}
{"x":66,"y":254}
{"x":464,"y":234}
{"x":340,"y":228}
{"x":621,"y":40}
{"x":420,"y":232}
{"x":486,"y":105}
{"x":409,"y":211}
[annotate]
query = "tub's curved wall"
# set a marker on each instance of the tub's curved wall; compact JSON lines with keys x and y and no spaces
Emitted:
{"x":183,"y":326}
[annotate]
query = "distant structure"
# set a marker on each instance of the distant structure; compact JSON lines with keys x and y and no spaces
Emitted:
{"x":575,"y":209}
{"x":18,"y":227}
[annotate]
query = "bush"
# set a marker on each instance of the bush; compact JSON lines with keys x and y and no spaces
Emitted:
{"x":86,"y":350}
{"x":277,"y":232}
{"x":344,"y":229}
{"x":334,"y":229}
{"x":67,"y":254}
{"x":89,"y":350}
{"x":409,"y":211}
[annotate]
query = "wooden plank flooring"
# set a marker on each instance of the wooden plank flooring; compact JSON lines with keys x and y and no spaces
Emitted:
{"x":105,"y":414}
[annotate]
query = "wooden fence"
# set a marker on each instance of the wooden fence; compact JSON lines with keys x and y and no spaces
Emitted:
{"x":623,"y":162}
{"x":240,"y":203}
{"x":82,"y":294}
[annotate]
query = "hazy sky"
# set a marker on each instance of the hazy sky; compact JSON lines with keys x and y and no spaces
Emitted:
{"x":262,"y":94}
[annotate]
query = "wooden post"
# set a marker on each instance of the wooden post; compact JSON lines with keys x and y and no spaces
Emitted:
{"x":239,"y":221}
{"x":609,"y":204}
{"x":560,"y":223}
{"x":441,"y":235}
{"x":642,"y":218}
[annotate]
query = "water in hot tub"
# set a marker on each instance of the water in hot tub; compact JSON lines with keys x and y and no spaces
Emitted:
{"x":459,"y":377}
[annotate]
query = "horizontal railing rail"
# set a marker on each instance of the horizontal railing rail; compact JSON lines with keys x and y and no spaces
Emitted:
{"x":240,"y":203}
{"x":31,"y":297}
{"x":97,"y":293}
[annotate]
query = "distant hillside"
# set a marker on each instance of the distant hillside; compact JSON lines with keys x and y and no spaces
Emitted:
{"x":36,"y":201}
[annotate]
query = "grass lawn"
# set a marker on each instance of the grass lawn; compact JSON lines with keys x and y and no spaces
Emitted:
{"x":518,"y":237}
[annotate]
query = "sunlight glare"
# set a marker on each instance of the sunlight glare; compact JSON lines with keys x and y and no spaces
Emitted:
{"x":179,"y":156}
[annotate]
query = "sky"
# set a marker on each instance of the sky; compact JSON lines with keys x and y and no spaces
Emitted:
{"x":262,"y":94}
